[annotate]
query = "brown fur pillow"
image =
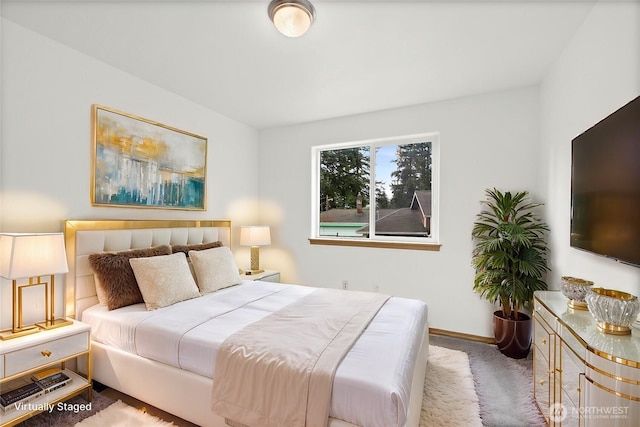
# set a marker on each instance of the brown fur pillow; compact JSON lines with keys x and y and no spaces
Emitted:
{"x":116,"y":277}
{"x":197,"y":247}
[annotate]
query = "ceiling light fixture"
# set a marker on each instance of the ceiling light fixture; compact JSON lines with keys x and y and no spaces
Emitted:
{"x":292,"y":18}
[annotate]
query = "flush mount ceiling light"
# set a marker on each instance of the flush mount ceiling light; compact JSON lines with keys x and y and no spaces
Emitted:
{"x":292,"y":18}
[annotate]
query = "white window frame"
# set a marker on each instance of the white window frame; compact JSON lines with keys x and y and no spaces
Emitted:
{"x":400,"y":242}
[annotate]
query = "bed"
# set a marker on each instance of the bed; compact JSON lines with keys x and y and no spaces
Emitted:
{"x":169,"y":364}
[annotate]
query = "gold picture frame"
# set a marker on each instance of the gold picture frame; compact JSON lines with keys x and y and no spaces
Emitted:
{"x":145,"y":164}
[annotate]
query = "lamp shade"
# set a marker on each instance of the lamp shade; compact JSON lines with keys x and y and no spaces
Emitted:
{"x":257,"y":235}
{"x":292,"y":18}
{"x":24,"y":255}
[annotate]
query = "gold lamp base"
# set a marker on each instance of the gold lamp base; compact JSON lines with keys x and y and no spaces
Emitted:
{"x":255,"y":261}
{"x":17,"y":333}
{"x":52,"y":324}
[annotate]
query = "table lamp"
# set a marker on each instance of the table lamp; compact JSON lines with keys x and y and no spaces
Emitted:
{"x":32,"y":256}
{"x":255,"y":236}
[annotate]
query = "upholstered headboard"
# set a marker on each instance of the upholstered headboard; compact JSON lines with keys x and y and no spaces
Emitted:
{"x":84,"y":237}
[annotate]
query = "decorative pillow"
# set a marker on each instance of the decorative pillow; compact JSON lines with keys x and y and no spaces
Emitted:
{"x":115,"y":277}
{"x":195,"y":247}
{"x":164,"y":280}
{"x":215,"y":269}
{"x":100,"y":292}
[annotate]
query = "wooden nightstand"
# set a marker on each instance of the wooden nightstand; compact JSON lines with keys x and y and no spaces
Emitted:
{"x":21,"y":357}
{"x":265,"y":276}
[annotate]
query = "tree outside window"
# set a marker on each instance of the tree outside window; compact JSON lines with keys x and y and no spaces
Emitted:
{"x":403,"y":178}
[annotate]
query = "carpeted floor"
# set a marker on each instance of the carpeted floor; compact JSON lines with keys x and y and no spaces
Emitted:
{"x":62,"y":418}
{"x":504,"y":386}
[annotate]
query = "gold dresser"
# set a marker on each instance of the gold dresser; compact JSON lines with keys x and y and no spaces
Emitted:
{"x":582,"y":376}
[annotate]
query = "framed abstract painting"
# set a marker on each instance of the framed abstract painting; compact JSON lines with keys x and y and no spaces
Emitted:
{"x":141,"y":163}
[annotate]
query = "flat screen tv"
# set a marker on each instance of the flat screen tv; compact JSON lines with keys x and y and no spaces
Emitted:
{"x":605,"y":186}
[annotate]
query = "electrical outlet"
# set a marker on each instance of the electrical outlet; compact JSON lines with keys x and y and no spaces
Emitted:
{"x":345,"y":284}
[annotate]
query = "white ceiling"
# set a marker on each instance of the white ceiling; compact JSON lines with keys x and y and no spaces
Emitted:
{"x":359,"y":56}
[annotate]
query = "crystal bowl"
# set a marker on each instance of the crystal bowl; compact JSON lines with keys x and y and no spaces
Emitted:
{"x":614,"y":311}
{"x":575,"y":290}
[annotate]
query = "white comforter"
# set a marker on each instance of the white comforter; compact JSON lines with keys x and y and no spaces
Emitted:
{"x":371,"y":386}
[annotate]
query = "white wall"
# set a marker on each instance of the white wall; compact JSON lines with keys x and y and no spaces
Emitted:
{"x":486,"y":141}
{"x":597,"y":73}
{"x":47,"y":93}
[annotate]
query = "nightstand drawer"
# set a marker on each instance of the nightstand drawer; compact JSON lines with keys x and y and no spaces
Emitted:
{"x":45,"y":353}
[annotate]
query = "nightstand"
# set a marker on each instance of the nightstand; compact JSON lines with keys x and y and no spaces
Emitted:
{"x":265,"y":276}
{"x":21,"y":357}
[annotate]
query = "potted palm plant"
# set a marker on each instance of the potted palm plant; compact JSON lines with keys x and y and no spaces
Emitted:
{"x":510,"y":262}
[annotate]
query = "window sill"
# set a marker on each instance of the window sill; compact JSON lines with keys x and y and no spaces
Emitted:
{"x":377,"y":244}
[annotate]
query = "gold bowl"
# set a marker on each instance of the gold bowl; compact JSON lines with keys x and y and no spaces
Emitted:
{"x":575,"y":290}
{"x":613,"y":310}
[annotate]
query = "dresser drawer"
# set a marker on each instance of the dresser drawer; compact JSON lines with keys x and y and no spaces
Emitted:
{"x":570,"y":370}
{"x":542,"y":383}
{"x":541,"y":312}
{"x":543,"y":339}
{"x":573,"y":341}
{"x":45,"y":353}
{"x":616,"y":377}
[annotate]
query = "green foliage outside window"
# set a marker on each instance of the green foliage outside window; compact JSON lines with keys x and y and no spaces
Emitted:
{"x":343,"y":174}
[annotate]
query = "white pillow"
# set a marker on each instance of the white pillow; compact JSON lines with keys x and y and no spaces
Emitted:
{"x":215,"y":269}
{"x":164,"y":280}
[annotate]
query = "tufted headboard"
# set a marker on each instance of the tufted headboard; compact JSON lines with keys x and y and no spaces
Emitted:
{"x":84,"y":237}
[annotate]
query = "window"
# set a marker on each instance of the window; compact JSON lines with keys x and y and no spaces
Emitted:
{"x":377,"y":193}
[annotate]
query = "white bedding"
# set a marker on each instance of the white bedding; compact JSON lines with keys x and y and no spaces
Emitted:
{"x":372,"y":383}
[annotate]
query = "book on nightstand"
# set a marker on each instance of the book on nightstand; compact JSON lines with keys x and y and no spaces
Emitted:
{"x":45,"y":373}
{"x":17,"y":392}
{"x":51,"y":382}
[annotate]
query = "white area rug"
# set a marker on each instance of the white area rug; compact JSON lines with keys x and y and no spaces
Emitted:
{"x":122,"y":415}
{"x":450,"y":397}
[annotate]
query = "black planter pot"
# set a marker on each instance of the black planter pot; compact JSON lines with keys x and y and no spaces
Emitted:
{"x":513,"y":337}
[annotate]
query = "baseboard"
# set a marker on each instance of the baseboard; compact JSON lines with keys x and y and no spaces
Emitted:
{"x":486,"y":340}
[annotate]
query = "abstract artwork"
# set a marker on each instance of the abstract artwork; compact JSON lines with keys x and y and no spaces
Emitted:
{"x":141,"y":163}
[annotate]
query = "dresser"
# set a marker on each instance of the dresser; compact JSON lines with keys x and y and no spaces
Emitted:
{"x":21,"y":357}
{"x":582,"y":376}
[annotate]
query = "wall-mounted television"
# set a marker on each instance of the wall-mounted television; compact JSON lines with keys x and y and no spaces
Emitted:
{"x":605,"y":186}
